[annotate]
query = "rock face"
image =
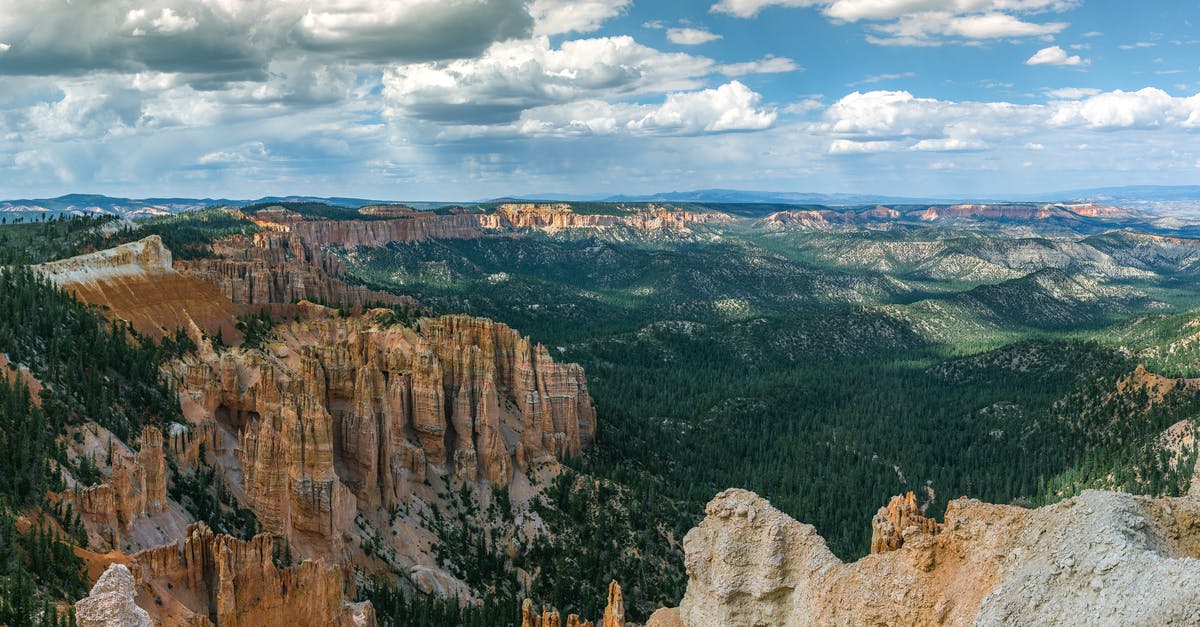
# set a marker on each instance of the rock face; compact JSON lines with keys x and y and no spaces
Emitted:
{"x":346,"y":414}
{"x":137,"y":283}
{"x":223,"y":581}
{"x":137,"y":490}
{"x":422,"y":226}
{"x":1113,"y":558}
{"x":276,"y":267}
{"x":111,"y":602}
{"x":899,"y":519}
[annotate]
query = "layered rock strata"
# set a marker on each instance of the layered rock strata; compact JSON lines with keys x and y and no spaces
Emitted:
{"x":277,"y":267}
{"x":347,"y":414}
{"x":137,"y":283}
{"x":1112,"y":558}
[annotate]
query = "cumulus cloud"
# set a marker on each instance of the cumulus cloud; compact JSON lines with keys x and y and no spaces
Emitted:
{"x":1055,"y":55}
{"x":518,"y":75}
{"x":1144,"y":109}
{"x":554,"y":17}
{"x":924,"y":22}
{"x":690,"y":36}
{"x":222,"y":41}
{"x":897,"y":120}
{"x":730,"y":107}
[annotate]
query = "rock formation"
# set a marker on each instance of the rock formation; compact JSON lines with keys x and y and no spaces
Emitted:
{"x":136,"y":282}
{"x":899,"y":519}
{"x":827,"y":219}
{"x":223,"y":581}
{"x":423,"y":225}
{"x":614,"y":613}
{"x":1112,"y":558}
{"x":276,"y":267}
{"x":346,"y":414}
{"x":137,"y":490}
{"x":111,"y":602}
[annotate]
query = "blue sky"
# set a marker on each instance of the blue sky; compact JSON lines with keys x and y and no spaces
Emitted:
{"x":468,"y":99}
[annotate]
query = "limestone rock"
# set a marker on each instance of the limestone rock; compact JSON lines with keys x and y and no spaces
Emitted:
{"x":1113,"y":558}
{"x":111,"y":602}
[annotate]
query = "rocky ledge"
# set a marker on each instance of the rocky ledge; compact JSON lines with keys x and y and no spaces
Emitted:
{"x":1102,"y":558}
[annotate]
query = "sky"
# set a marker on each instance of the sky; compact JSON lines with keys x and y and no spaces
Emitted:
{"x":474,"y":99}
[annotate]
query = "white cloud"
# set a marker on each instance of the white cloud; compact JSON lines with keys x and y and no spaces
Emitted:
{"x":730,"y":107}
{"x":948,"y":144}
{"x":1143,"y":109}
{"x":554,"y":17}
{"x":766,"y":65}
{"x":4,"y":47}
{"x":925,"y":22}
{"x":1055,"y":55}
{"x":751,"y":8}
{"x":1035,"y":147}
{"x":216,"y":42}
{"x":517,"y":75}
{"x":1072,"y":93}
{"x":1135,"y":46}
{"x":849,"y":147}
{"x":690,"y":36}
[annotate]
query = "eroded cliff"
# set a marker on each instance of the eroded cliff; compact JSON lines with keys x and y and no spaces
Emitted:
{"x":347,"y":416}
{"x":137,"y":282}
{"x":1113,"y":558}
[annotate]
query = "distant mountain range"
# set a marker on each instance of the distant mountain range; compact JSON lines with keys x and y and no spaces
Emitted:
{"x":1116,"y":195}
{"x":1166,"y":200}
{"x":130,"y":208}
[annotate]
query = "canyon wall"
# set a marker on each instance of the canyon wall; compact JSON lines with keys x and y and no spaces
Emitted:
{"x":1112,"y":558}
{"x":346,"y":415}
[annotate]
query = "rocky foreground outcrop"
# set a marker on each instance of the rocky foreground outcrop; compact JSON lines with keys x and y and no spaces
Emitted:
{"x":1100,"y":558}
{"x":111,"y":602}
{"x":348,"y":415}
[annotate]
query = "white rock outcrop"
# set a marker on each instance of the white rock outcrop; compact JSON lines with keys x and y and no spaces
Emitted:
{"x":110,"y":603}
{"x":1102,"y":558}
